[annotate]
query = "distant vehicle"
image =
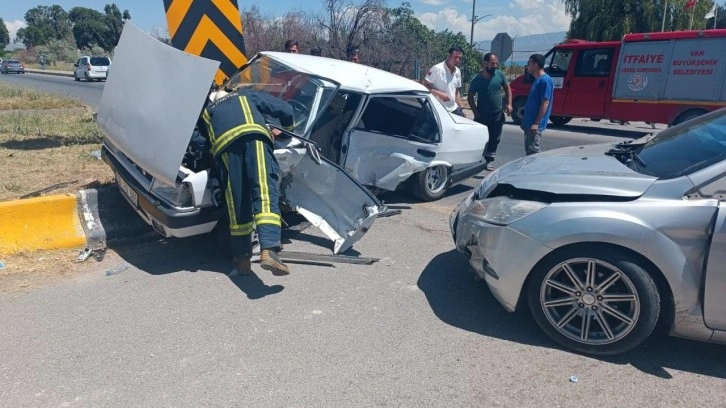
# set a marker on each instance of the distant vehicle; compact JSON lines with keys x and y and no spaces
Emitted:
{"x":9,"y":66}
{"x":665,"y":77}
{"x":91,"y":68}
{"x":602,"y":242}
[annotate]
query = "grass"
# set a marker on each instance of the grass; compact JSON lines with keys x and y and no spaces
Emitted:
{"x":16,"y":98}
{"x":47,"y":142}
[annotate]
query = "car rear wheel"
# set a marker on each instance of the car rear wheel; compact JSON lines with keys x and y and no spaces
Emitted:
{"x":431,"y":184}
{"x":560,"y":120}
{"x":518,"y":110}
{"x":594,"y":300}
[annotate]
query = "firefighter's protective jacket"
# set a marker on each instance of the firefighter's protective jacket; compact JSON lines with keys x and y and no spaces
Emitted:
{"x":242,"y":113}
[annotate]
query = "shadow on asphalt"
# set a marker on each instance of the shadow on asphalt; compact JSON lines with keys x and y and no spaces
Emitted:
{"x":458,"y":300}
{"x":405,"y":197}
{"x":199,"y":253}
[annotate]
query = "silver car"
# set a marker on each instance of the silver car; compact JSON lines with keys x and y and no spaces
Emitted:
{"x":603,"y":242}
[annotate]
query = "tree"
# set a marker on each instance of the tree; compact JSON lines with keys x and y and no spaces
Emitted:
{"x":609,"y":20}
{"x":114,"y":20}
{"x":347,"y":24}
{"x":45,"y":23}
{"x":4,"y":35}
{"x":88,"y":27}
{"x":91,"y":28}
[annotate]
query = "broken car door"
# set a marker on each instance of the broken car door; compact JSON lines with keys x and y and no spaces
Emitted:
{"x":394,"y":137}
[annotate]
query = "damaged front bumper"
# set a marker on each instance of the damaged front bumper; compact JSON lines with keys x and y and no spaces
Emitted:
{"x":500,"y":255}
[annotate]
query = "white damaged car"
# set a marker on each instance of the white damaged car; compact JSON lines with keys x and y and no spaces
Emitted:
{"x":355,"y":126}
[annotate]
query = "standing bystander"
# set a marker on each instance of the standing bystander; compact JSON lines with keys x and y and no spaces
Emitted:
{"x":539,"y":104}
{"x":488,"y":86}
{"x":291,"y":46}
{"x":444,"y":81}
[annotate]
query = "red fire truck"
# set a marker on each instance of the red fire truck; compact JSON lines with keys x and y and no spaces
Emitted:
{"x":667,"y":77}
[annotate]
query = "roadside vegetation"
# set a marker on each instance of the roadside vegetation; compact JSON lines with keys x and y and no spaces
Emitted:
{"x":49,"y":144}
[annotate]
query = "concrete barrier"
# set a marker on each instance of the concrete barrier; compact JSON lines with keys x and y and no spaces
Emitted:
{"x":33,"y":224}
{"x":49,"y":72}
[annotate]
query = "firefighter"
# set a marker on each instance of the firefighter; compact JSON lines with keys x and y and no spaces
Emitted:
{"x":242,"y":146}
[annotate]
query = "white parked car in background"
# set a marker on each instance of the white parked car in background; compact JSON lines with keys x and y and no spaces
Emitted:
{"x":91,"y":68}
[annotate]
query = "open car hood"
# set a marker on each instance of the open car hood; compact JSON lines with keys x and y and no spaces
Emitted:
{"x":151,"y":104}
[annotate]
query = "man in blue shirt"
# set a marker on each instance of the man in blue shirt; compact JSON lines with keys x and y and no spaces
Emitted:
{"x":539,"y":104}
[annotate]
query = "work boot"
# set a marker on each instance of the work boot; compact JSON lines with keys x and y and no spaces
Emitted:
{"x":242,"y":267}
{"x":270,"y":261}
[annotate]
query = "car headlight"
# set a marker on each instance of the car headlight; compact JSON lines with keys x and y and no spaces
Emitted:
{"x":503,"y":210}
{"x":179,"y":196}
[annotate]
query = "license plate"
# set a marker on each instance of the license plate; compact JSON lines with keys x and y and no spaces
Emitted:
{"x":130,"y":194}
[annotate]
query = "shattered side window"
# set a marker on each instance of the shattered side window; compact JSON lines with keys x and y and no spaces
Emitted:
{"x":409,"y":117}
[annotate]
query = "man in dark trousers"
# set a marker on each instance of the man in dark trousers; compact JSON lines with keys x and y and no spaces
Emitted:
{"x":488,"y":86}
{"x":243,"y":148}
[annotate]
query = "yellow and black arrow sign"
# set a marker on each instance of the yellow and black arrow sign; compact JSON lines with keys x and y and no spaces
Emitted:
{"x":208,"y":28}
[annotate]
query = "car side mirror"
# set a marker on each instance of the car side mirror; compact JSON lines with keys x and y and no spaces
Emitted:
{"x":75,"y":65}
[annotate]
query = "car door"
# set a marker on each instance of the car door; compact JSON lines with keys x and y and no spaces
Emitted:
{"x":587,"y":87}
{"x":557,"y":64}
{"x":393,"y":137}
{"x":714,"y":301}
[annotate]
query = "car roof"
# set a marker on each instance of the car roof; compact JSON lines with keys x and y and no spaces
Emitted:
{"x":352,"y":77}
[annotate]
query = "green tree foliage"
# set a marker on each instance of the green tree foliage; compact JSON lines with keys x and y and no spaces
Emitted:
{"x":609,"y":20}
{"x":4,"y":35}
{"x":88,"y":26}
{"x":45,"y":23}
{"x":91,"y":28}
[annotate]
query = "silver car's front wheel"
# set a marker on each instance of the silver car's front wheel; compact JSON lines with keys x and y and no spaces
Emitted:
{"x":595,"y":301}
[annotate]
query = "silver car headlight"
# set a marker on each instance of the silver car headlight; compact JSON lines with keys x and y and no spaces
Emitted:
{"x":503,"y":210}
{"x":178,"y":196}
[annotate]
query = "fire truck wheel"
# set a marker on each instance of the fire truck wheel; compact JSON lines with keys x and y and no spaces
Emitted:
{"x":688,"y":115}
{"x":518,"y":110}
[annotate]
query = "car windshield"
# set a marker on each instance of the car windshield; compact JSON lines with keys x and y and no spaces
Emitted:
{"x":685,"y":149}
{"x":13,"y":62}
{"x":308,"y":94}
{"x":100,"y":61}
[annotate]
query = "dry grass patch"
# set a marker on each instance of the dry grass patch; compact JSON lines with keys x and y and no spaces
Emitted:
{"x":16,"y":98}
{"x":56,"y":150}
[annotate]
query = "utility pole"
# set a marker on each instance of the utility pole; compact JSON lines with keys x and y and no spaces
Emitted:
{"x":665,"y":12}
{"x":473,"y":21}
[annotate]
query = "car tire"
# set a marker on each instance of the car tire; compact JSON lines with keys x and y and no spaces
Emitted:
{"x":431,"y":184}
{"x":572,"y":313}
{"x":560,"y":120}
{"x":75,"y":77}
{"x":518,"y":110}
{"x":686,"y":116}
{"x":86,"y":77}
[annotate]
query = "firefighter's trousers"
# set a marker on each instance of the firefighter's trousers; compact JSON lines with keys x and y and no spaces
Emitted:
{"x":252,"y":177}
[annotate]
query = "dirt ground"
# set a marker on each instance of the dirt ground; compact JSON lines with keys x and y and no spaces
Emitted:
{"x":48,"y":145}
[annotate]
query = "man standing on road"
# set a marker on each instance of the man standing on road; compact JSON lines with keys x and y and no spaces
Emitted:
{"x":444,"y":81}
{"x":243,"y":147}
{"x":487,"y":106}
{"x":539,"y":104}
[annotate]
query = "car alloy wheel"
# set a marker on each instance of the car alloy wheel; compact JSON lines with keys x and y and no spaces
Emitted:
{"x":431,"y":183}
{"x":590,"y":301}
{"x":594,"y":299}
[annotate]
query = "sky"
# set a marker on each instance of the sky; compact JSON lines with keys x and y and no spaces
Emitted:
{"x":516,"y":17}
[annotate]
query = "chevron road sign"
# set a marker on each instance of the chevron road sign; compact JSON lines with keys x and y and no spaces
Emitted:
{"x":210,"y":29}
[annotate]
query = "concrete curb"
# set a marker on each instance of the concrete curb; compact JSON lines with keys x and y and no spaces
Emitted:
{"x":40,"y":223}
{"x":49,"y":72}
{"x":88,"y":219}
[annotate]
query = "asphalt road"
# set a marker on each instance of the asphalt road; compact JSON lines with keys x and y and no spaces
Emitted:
{"x":414,"y":329}
{"x":88,"y":92}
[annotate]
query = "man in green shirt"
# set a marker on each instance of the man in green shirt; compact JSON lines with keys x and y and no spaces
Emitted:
{"x":488,"y":86}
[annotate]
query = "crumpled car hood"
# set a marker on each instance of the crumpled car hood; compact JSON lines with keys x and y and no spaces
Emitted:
{"x":572,"y":170}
